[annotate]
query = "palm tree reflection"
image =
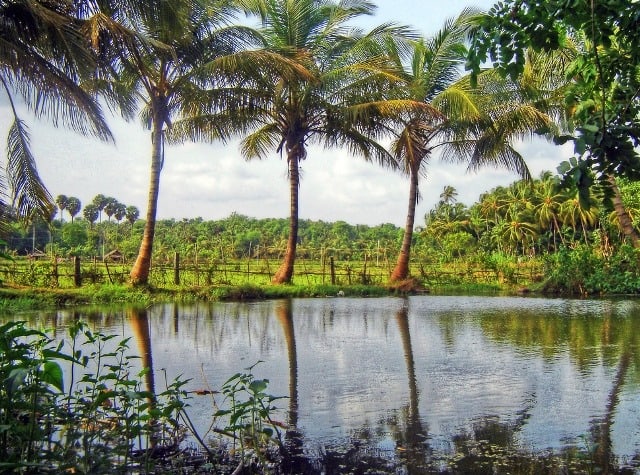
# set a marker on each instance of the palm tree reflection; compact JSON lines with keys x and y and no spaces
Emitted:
{"x":284,"y":314}
{"x":139,"y":321}
{"x":294,"y":457}
{"x":412,"y":442}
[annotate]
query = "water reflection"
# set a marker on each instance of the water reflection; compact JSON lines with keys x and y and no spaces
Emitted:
{"x":139,"y":322}
{"x":424,"y":382}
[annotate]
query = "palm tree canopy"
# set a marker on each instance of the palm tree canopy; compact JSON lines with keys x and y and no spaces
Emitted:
{"x":314,"y":79}
{"x":43,"y":60}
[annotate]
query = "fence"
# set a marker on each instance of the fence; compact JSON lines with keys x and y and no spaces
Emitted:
{"x":76,"y":272}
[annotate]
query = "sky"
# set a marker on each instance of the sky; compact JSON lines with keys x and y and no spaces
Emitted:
{"x":212,"y":181}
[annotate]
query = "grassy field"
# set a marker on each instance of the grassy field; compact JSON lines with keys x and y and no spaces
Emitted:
{"x":62,"y":274}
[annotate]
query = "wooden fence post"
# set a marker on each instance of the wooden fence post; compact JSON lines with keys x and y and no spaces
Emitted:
{"x":77,"y":276}
{"x":332,"y":269}
{"x":56,"y":281}
{"x":176,"y":269}
{"x":364,"y":271}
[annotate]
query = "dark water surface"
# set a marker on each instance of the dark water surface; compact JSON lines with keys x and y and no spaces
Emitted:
{"x":424,"y":378}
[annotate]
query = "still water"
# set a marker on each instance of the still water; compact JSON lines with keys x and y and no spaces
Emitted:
{"x":422,"y":378}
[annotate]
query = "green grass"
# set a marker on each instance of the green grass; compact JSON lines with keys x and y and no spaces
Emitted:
{"x":31,"y":285}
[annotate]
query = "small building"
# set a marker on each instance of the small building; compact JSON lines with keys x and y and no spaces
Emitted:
{"x":37,"y":255}
{"x":114,"y":256}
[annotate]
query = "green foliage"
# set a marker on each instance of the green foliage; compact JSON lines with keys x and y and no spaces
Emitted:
{"x":602,"y":101}
{"x":103,"y":422}
{"x":249,"y":413}
{"x":113,"y":293}
{"x":582,"y":270}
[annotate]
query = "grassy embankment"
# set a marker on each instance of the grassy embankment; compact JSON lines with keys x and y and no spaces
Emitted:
{"x":38,"y":285}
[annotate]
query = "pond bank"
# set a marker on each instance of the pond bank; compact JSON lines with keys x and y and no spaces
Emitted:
{"x":13,"y":298}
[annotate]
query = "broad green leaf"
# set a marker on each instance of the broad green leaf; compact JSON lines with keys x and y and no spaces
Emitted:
{"x":52,"y":374}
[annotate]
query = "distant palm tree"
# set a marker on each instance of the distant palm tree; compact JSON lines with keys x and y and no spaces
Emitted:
{"x":575,"y":211}
{"x":73,"y":206}
{"x":99,"y":201}
{"x":132,"y":213}
{"x":120,"y":212}
{"x":549,"y":200}
{"x":61,"y":201}
{"x":90,"y":213}
{"x":110,"y":207}
{"x":449,"y":195}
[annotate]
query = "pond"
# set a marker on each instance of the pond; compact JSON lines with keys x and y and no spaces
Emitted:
{"x":424,"y":383}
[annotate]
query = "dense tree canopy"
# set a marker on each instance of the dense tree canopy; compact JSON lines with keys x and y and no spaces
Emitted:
{"x":604,"y":99}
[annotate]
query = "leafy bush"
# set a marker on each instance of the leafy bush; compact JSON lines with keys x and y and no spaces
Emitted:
{"x":105,"y":422}
{"x":583,"y":271}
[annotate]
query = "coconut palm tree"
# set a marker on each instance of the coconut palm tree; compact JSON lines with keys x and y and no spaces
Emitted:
{"x":43,"y":58}
{"x":180,"y":36}
{"x":575,"y":211}
{"x":323,"y":91}
{"x":478,"y":122}
{"x":549,"y":200}
{"x":428,"y":68}
{"x":449,"y":195}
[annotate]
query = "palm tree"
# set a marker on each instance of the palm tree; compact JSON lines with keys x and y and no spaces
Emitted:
{"x":478,"y":124}
{"x":43,"y":58}
{"x":131,"y":214}
{"x":449,"y":195}
{"x":429,"y":71}
{"x":547,"y":209}
{"x":61,"y":201}
{"x":575,"y":211}
{"x":320,"y":92}
{"x":73,"y":206}
{"x":120,"y":212}
{"x":518,"y":231}
{"x":90,"y":213}
{"x":181,"y":36}
{"x":99,"y":201}
{"x":110,"y":207}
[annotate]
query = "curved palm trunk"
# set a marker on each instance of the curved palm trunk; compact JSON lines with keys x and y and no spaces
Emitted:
{"x":621,"y":212}
{"x":401,"y":270}
{"x":140,"y":272}
{"x":285,"y":272}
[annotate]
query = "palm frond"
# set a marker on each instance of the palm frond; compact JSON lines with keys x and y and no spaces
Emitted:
{"x":261,"y":142}
{"x":28,"y":193}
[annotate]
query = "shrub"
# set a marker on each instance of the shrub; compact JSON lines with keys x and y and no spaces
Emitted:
{"x":105,"y":422}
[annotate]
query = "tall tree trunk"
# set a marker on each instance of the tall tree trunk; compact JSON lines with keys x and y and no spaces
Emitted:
{"x":285,"y":272}
{"x":621,"y":212}
{"x":401,"y":270}
{"x":140,"y":271}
